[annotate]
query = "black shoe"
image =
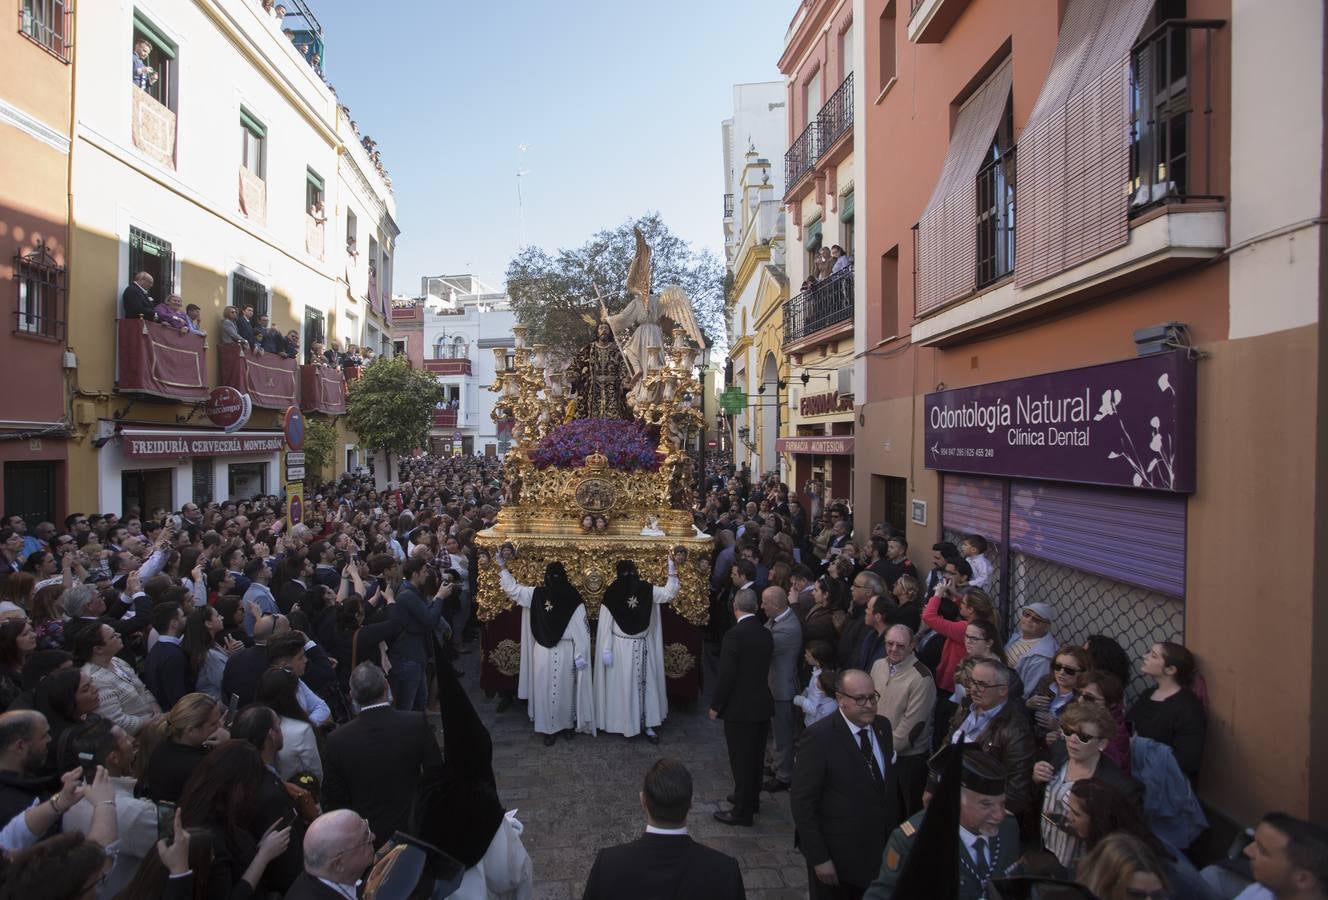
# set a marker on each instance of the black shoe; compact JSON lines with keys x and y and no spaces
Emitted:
{"x":726,"y":817}
{"x":733,"y":798}
{"x":774,"y":786}
{"x":653,"y":738}
{"x":549,"y":739}
{"x":504,"y":703}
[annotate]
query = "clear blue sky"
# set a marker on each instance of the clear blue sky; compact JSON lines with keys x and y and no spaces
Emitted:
{"x":619,"y":103}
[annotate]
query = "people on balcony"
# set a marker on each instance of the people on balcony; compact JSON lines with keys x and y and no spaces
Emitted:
{"x":291,"y":348}
{"x":824,"y":264}
{"x":143,"y":74}
{"x":841,"y":259}
{"x":317,"y":213}
{"x":230,"y":334}
{"x":245,"y":326}
{"x":170,"y":313}
{"x":137,"y":299}
{"x":194,"y":313}
{"x":270,"y":338}
{"x":351,"y":359}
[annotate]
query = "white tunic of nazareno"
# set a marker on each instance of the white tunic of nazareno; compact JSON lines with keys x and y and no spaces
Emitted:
{"x":559,"y":696}
{"x":630,"y":694}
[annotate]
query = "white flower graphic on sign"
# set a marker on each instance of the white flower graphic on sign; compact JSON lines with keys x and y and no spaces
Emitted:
{"x":1156,"y":468}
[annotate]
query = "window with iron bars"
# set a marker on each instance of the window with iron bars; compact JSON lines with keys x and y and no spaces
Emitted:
{"x":43,"y":21}
{"x":247,"y":292}
{"x":995,"y":207}
{"x":39,"y":310}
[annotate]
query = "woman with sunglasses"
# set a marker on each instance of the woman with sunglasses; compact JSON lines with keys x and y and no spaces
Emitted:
{"x":1087,"y":729}
{"x":1104,"y":689}
{"x":1052,"y":694}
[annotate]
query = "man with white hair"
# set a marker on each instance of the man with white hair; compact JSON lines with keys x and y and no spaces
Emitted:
{"x":908,"y":700}
{"x":338,"y":849}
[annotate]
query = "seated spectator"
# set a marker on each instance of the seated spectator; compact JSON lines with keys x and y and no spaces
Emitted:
{"x":219,"y":800}
{"x":1032,"y":646}
{"x":177,"y":743}
{"x":1122,"y":867}
{"x":137,"y":298}
{"x":1104,"y":689}
{"x":1171,"y":713}
{"x":17,"y":642}
{"x":1087,"y":730}
{"x":298,"y":753}
{"x":68,"y":700}
{"x":171,"y":313}
{"x":122,"y":699}
{"x":1051,"y":695}
{"x":195,"y":315}
{"x":111,"y":747}
{"x":1095,"y":812}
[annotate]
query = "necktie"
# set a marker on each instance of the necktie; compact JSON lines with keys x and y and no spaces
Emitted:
{"x":864,"y":742}
{"x":980,"y":857}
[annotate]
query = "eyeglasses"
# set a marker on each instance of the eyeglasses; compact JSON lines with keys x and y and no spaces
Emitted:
{"x":864,"y":700}
{"x":1079,"y":735}
{"x":975,"y":685}
{"x":975,"y":638}
{"x":366,"y":842}
{"x":1068,"y":670}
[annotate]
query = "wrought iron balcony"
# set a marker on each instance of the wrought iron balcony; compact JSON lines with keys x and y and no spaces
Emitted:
{"x":823,"y":306}
{"x":448,"y":366}
{"x":833,"y":121}
{"x":728,"y":206}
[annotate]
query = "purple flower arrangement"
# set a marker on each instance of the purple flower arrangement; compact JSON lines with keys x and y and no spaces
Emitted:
{"x":629,"y":446}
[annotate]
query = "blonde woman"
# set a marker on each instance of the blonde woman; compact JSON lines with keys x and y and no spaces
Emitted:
{"x":1121,"y":867}
{"x":176,"y":744}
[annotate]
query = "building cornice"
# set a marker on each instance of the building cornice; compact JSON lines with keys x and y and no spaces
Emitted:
{"x":33,"y":127}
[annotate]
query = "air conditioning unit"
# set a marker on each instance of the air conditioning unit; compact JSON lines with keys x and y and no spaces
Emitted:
{"x":846,"y":381}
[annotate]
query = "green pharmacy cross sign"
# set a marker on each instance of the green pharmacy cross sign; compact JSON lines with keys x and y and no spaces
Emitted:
{"x":733,"y":401}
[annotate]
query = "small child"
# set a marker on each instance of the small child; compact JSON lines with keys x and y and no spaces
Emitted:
{"x":974,"y":548}
{"x":818,"y":699}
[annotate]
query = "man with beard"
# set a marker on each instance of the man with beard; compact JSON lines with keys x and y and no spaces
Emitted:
{"x":555,"y":647}
{"x":629,"y":671}
{"x":599,"y":374}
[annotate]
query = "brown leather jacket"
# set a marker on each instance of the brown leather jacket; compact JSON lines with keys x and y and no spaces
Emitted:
{"x":1008,"y":738}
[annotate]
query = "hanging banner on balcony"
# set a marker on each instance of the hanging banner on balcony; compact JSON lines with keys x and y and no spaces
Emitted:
{"x":270,"y":381}
{"x":1123,"y":424}
{"x":160,"y":361}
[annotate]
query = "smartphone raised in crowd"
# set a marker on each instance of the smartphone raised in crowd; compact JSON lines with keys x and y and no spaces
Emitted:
{"x":166,"y":821}
{"x":232,"y":705}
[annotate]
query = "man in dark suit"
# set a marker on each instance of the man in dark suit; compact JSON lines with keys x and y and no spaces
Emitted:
{"x":742,"y":699}
{"x":786,"y":634}
{"x":374,"y":763}
{"x":245,"y":326}
{"x":244,"y":669}
{"x":845,"y":797}
{"x":166,"y":670}
{"x":137,"y":299}
{"x":665,"y":862}
{"x":338,"y":849}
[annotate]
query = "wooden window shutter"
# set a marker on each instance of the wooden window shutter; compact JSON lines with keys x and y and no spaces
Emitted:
{"x":947,"y":253}
{"x":1074,"y":153}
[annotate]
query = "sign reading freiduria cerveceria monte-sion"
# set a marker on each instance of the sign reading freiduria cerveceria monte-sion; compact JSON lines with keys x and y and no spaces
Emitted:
{"x":1128,"y":423}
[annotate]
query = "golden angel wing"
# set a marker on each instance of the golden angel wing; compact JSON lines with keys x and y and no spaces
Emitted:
{"x":673,"y":303}
{"x":638,"y":276}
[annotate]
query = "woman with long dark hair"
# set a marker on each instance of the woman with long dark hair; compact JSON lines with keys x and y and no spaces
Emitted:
{"x":207,"y":660}
{"x":68,"y":700}
{"x":279,"y":689}
{"x":220,"y":799}
{"x":828,"y":613}
{"x":1171,"y":713}
{"x":17,"y":642}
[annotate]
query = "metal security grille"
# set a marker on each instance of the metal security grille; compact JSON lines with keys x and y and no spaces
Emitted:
{"x":993,"y":587}
{"x":40,"y":303}
{"x":1089,"y":604}
{"x":44,"y":22}
{"x":149,"y":253}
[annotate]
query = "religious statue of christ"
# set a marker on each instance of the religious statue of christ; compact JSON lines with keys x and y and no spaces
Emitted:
{"x":599,"y":376}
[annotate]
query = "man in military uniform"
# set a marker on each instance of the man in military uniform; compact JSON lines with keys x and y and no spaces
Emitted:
{"x":988,"y":844}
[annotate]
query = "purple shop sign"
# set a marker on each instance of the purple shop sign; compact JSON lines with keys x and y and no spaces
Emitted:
{"x":1123,"y":424}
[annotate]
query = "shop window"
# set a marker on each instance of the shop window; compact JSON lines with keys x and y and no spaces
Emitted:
{"x":155,"y":62}
{"x":253,"y":144}
{"x":247,"y":292}
{"x":44,"y":22}
{"x":1087,"y":604}
{"x":149,"y":253}
{"x":40,"y":306}
{"x":203,"y":480}
{"x":146,"y":491}
{"x":246,"y":480}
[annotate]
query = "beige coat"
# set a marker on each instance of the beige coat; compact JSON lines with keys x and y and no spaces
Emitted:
{"x":908,"y":698}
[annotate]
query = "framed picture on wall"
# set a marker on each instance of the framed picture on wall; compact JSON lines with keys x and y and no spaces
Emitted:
{"x":919,"y":512}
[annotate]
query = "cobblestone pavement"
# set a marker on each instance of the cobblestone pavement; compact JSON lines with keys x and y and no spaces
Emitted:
{"x":582,"y":794}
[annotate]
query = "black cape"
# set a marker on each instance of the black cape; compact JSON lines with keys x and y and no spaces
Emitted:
{"x":553,"y":606}
{"x":630,"y":618}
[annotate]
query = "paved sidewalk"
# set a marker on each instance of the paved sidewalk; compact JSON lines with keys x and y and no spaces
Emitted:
{"x":582,"y":794}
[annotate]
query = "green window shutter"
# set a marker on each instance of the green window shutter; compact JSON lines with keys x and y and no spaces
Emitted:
{"x":846,"y":207}
{"x":255,"y":127}
{"x":813,"y":238}
{"x":315,"y":179}
{"x":164,"y":45}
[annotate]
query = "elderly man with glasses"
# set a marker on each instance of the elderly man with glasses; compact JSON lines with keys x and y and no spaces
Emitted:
{"x":845,"y":796}
{"x":1032,"y":647}
{"x":908,"y":699}
{"x":999,"y":728}
{"x":338,"y":850}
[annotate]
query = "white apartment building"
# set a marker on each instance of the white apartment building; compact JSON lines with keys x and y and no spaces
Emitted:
{"x":759,"y":122}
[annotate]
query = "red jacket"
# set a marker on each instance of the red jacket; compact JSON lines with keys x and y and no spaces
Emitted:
{"x":953,"y":653}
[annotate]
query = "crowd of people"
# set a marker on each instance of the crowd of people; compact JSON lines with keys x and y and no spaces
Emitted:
{"x":208,"y":703}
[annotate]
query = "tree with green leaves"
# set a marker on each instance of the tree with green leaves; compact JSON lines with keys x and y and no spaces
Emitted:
{"x":391,"y":405}
{"x":551,"y":291}
{"x":320,"y":438}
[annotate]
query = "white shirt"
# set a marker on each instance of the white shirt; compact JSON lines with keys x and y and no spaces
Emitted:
{"x":969,"y":839}
{"x":744,"y":616}
{"x":871,"y":736}
{"x":651,"y":829}
{"x":782,"y":616}
{"x":349,"y":891}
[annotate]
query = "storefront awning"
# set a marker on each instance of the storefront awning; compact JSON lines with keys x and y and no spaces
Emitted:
{"x":816,"y":446}
{"x":154,"y":443}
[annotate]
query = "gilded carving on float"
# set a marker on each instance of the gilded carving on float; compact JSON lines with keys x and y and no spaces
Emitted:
{"x":678,"y":660}
{"x":506,"y":657}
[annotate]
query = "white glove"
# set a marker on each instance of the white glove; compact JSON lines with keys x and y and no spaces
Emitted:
{"x":579,"y":663}
{"x":800,"y":702}
{"x":673,"y":568}
{"x":607,"y":656}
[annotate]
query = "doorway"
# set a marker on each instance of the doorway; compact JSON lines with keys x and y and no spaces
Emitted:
{"x":30,"y":492}
{"x":890,"y":500}
{"x":146,"y":490}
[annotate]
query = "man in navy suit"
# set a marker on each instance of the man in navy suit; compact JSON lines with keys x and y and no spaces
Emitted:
{"x":166,"y":670}
{"x":664,"y":862}
{"x":742,"y":699}
{"x":137,"y":299}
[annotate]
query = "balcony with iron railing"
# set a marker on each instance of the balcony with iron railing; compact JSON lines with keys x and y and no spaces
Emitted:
{"x":728,"y":206}
{"x":834,"y":120}
{"x":452,"y":365}
{"x":160,"y":361}
{"x":322,"y":390}
{"x":820,"y":312}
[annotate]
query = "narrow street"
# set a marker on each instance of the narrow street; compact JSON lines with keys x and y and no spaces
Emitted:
{"x":582,"y":794}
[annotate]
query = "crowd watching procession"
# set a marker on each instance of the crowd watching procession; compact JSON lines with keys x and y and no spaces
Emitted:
{"x":205,"y":703}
